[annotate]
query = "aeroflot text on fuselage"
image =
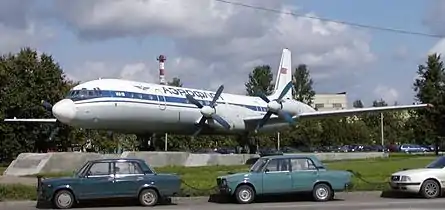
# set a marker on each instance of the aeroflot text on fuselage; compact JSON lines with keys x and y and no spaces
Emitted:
{"x":194,"y":93}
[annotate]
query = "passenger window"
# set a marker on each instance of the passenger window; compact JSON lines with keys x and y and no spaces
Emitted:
{"x":98,"y":169}
{"x":302,"y":164}
{"x":127,"y":168}
{"x":278,"y":165}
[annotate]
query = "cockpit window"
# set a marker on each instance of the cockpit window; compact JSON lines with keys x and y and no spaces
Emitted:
{"x":84,"y":93}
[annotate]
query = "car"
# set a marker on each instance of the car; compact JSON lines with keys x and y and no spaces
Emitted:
{"x":282,"y":174}
{"x":412,"y":148}
{"x":428,"y":181}
{"x":110,"y":178}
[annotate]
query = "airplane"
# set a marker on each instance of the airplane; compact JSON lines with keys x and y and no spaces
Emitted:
{"x":142,"y":108}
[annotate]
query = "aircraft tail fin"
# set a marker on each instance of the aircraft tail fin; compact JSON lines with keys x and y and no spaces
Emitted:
{"x":284,"y":74}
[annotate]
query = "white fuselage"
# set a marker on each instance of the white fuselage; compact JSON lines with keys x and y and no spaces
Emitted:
{"x":137,"y":107}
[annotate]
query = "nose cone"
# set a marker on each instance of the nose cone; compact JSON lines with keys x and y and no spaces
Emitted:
{"x":64,"y":110}
{"x":274,"y":106}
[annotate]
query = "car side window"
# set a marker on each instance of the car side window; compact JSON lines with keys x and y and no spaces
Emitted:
{"x":98,"y":169}
{"x":127,"y":168}
{"x":302,"y":164}
{"x":278,"y":165}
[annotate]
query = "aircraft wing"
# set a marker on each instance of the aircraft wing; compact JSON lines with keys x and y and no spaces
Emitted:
{"x":358,"y":111}
{"x":337,"y":113}
{"x":31,"y":120}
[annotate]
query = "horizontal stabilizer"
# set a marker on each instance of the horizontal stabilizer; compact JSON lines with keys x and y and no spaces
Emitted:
{"x":31,"y":120}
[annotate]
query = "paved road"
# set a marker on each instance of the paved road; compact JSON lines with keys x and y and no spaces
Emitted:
{"x":349,"y":201}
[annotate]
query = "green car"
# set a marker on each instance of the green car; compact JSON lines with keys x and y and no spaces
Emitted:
{"x":285,"y":174}
{"x":110,"y":178}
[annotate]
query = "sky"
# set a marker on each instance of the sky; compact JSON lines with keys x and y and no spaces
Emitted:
{"x":209,"y":43}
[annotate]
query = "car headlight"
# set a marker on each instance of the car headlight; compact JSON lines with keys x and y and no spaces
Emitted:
{"x":405,"y":179}
{"x":223,"y":182}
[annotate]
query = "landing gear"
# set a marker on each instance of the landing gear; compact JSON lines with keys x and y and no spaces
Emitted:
{"x":147,"y":142}
{"x":249,"y":143}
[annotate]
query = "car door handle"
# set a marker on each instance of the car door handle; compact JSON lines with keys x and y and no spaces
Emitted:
{"x":139,"y":178}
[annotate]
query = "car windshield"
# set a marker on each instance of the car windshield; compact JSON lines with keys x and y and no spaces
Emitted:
{"x":438,"y":163}
{"x":81,"y":170}
{"x":259,"y":164}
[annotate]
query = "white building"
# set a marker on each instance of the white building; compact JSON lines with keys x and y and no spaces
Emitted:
{"x":330,"y":101}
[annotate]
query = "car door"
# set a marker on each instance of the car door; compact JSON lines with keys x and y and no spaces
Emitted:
{"x":277,"y":177}
{"x":303,"y":173}
{"x":129,"y":177}
{"x":97,"y":182}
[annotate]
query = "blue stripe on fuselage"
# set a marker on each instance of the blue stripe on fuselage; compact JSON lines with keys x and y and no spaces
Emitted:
{"x":120,"y":96}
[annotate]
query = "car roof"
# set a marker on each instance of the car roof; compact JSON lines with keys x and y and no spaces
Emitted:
{"x":290,"y":156}
{"x":117,"y":159}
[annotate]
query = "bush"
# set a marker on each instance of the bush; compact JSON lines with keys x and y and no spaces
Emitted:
{"x":17,"y":192}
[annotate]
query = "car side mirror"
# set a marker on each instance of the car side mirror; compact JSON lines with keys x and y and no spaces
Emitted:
{"x":266,"y":171}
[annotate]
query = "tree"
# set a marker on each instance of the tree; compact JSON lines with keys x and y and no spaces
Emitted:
{"x":175,"y":82}
{"x":429,"y":88}
{"x":260,"y":79}
{"x":303,"y":85}
{"x":357,"y":104}
{"x":26,"y":79}
{"x":307,"y":131}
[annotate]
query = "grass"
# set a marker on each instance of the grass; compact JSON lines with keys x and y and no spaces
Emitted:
{"x":2,"y":169}
{"x":201,"y":180}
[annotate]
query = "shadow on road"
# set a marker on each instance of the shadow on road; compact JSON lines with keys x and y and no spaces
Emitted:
{"x":103,"y":203}
{"x":217,"y":198}
{"x":398,"y":195}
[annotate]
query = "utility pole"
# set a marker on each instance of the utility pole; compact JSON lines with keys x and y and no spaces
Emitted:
{"x":166,"y":142}
{"x":278,"y":142}
{"x":381,"y":130}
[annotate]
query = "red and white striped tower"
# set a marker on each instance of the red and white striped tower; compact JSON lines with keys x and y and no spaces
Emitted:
{"x":161,"y":60}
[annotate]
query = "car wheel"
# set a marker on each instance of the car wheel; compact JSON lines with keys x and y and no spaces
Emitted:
{"x":322,"y":192}
{"x":244,"y":194}
{"x":148,"y":197}
{"x":430,"y":189}
{"x":63,"y":199}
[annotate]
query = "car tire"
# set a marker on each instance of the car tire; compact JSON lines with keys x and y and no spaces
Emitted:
{"x":63,"y":199}
{"x":430,"y":189}
{"x":148,"y":197}
{"x":244,"y":194}
{"x":322,"y":192}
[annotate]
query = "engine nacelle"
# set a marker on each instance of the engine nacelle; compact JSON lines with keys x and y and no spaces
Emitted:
{"x":294,"y":107}
{"x":231,"y":114}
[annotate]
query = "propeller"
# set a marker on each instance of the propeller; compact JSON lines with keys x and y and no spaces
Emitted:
{"x":275,"y":107}
{"x":55,"y":128}
{"x":209,"y":112}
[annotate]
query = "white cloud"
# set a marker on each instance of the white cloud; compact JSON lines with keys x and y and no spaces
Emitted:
{"x":218,"y":41}
{"x":97,"y":69}
{"x":19,"y":26}
{"x":390,"y":95}
{"x":435,"y":21}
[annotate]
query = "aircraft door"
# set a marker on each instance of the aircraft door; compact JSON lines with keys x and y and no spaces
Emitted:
{"x":161,"y":99}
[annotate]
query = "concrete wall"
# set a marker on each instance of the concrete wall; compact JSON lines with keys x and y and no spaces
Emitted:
{"x":34,"y":163}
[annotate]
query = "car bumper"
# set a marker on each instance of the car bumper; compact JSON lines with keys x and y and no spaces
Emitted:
{"x":411,"y":187}
{"x":225,"y":190}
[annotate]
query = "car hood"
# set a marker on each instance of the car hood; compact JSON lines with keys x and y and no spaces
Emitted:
{"x":416,"y":171}
{"x":237,"y":175}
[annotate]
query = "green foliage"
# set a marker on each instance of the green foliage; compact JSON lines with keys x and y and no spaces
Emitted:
{"x":430,"y":87}
{"x":175,"y":82}
{"x":304,"y":91}
{"x":260,"y":79}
